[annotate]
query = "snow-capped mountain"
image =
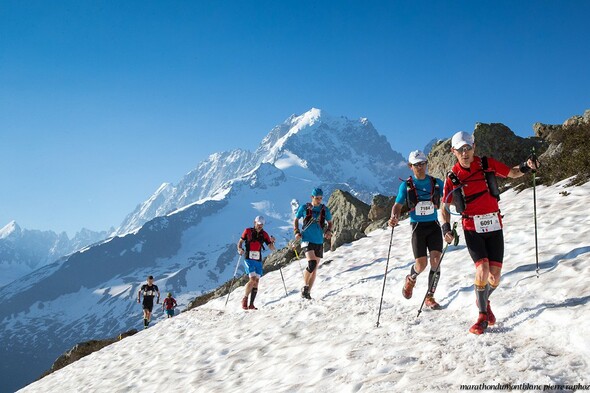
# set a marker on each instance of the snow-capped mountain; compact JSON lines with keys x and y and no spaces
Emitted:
{"x":24,"y":250}
{"x":338,"y":152}
{"x":186,"y":235}
{"x":330,"y":344}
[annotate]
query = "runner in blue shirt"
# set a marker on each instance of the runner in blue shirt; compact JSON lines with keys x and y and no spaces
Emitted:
{"x":421,"y":193}
{"x":316,"y":218}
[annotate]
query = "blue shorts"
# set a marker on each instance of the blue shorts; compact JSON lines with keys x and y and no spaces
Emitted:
{"x":170,"y":312}
{"x":253,"y":268}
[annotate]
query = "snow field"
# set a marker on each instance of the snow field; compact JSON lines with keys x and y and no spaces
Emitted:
{"x":331,"y":343}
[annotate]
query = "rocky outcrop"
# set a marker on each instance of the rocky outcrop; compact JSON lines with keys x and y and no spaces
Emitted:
{"x":380,"y":212}
{"x":554,"y":133}
{"x":493,"y":140}
{"x":350,"y":217}
{"x":440,"y":159}
{"x":567,"y":153}
{"x":84,"y":349}
{"x":578,"y":120}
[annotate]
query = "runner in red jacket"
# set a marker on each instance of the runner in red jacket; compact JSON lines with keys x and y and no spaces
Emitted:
{"x":471,"y":187}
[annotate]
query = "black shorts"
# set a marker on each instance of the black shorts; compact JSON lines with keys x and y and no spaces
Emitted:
{"x":148,"y":304}
{"x":426,"y":235}
{"x":488,"y":245}
{"x":317,"y":248}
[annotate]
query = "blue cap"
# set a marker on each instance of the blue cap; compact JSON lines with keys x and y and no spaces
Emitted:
{"x":317,"y":192}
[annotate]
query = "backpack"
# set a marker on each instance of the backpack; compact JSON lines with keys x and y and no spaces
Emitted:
{"x":250,"y":237}
{"x":169,"y":301}
{"x":412,"y":193}
{"x":308,"y":220}
{"x":490,"y":177}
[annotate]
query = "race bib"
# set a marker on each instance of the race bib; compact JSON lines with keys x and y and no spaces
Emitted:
{"x":304,"y":244}
{"x":424,"y":208}
{"x":487,"y":223}
{"x":255,"y":255}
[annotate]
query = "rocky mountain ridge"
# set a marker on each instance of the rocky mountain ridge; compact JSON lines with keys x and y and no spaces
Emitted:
{"x":24,"y":250}
{"x":340,"y":153}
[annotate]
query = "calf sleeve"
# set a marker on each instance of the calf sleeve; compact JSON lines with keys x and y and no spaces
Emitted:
{"x":253,"y":295}
{"x":433,"y":278}
{"x":481,"y":295}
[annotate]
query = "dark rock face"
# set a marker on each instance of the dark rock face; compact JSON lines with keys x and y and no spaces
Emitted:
{"x":554,"y":134}
{"x":567,"y":153}
{"x":440,"y":159}
{"x":492,"y":140}
{"x":350,"y":217}
{"x":84,"y":349}
{"x":380,"y":212}
{"x":381,"y":207}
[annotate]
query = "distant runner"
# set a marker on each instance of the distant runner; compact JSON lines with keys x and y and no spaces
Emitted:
{"x":149,"y":291}
{"x":316,"y":218}
{"x":254,"y":240}
{"x":168,"y":305}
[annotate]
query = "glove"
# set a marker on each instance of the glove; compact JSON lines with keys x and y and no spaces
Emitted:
{"x":446,"y":228}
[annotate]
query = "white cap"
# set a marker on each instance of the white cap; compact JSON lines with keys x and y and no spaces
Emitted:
{"x":259,"y":220}
{"x":461,"y":139}
{"x":417,"y":156}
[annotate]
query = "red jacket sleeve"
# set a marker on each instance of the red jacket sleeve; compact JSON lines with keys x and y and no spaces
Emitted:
{"x":245,"y":234}
{"x":266,"y":238}
{"x":501,"y":169}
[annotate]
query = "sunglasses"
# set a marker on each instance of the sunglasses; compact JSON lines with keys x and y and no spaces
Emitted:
{"x":317,"y":197}
{"x":420,"y":164}
{"x":464,"y":148}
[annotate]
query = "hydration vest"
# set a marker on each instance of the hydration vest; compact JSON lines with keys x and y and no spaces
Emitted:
{"x":255,"y":239}
{"x":309,"y":215}
{"x":412,"y":193}
{"x":169,"y":303}
{"x":460,"y":201}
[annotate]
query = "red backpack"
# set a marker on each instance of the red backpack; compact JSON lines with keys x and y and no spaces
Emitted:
{"x":307,"y":221}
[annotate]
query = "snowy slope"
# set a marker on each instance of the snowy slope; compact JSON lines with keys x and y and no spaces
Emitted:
{"x":185,"y":236}
{"x":340,"y":153}
{"x":331,"y":343}
{"x":91,"y":294}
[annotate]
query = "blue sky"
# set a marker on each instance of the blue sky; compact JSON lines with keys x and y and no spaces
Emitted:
{"x":102,"y":101}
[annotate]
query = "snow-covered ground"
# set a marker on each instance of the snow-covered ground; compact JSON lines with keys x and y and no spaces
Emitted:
{"x":331,"y":344}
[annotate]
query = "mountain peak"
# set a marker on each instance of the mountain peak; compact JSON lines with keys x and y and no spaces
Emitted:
{"x":307,"y":119}
{"x":313,"y":145}
{"x":9,"y":229}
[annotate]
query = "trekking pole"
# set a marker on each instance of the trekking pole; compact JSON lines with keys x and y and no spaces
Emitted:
{"x":233,"y":281}
{"x":298,"y":260}
{"x":432,"y":288}
{"x":283,"y":278}
{"x":534,"y":158}
{"x":385,"y":277}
